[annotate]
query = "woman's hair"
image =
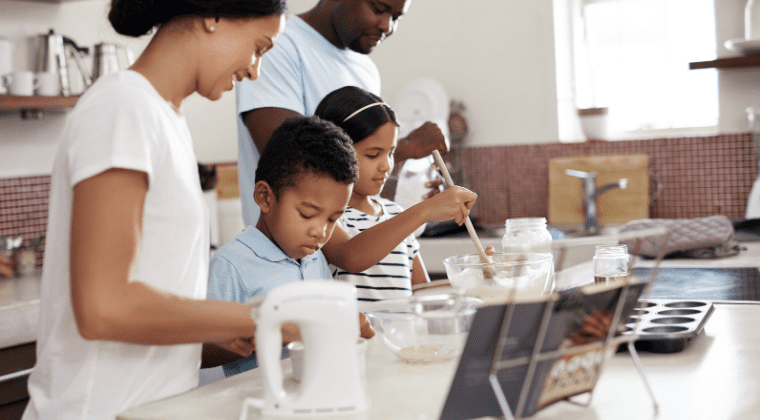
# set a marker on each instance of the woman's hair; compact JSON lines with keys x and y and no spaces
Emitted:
{"x":306,"y":145}
{"x":343,"y":103}
{"x":138,"y":17}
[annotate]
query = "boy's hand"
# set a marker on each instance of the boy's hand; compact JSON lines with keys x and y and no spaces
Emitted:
{"x":365,"y":326}
{"x":453,"y":203}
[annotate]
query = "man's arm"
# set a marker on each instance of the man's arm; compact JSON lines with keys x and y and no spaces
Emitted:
{"x":261,"y":122}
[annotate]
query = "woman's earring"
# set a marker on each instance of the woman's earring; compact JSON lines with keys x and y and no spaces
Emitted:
{"x":211,"y":28}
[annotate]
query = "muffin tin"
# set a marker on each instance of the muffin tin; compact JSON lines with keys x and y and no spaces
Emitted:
{"x":667,"y":325}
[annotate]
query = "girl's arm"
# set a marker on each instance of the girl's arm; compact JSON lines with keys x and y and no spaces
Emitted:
{"x":419,"y":272}
{"x":106,"y":228}
{"x":360,"y":252}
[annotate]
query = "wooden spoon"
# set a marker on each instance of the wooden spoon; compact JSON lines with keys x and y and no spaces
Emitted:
{"x":488,"y":271}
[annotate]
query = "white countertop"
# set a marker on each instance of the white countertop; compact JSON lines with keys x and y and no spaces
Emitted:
{"x":714,"y":378}
{"x":19,"y":309}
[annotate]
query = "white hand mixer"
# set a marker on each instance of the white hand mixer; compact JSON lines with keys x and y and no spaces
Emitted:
{"x":327,"y":316}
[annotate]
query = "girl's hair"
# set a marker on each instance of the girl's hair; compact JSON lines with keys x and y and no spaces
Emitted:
{"x":342,"y":103}
{"x":138,"y":17}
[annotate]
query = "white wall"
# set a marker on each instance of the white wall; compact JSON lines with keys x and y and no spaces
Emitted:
{"x":737,"y":88}
{"x":495,"y":56}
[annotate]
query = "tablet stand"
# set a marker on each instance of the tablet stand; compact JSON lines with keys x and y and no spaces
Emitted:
{"x":610,"y":341}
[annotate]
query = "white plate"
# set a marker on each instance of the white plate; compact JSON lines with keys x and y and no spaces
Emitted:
{"x":421,"y":100}
{"x":744,"y":46}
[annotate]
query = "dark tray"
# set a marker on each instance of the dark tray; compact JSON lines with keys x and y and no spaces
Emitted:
{"x":667,"y":325}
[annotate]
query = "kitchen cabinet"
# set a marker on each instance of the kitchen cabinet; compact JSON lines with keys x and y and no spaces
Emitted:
{"x":15,"y":365}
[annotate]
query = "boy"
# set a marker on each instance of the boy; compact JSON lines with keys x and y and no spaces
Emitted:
{"x":303,"y":184}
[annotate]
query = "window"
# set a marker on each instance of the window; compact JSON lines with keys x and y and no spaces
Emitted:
{"x":633,"y":56}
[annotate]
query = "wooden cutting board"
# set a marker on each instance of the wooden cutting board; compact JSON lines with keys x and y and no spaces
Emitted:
{"x":615,"y":206}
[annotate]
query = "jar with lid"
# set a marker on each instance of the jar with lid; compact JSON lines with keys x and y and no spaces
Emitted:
{"x":611,"y":263}
{"x":527,"y":234}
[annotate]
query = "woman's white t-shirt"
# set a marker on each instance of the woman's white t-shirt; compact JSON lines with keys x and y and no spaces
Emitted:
{"x":121,"y":122}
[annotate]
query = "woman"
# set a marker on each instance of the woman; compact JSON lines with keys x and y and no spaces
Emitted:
{"x":126,"y":264}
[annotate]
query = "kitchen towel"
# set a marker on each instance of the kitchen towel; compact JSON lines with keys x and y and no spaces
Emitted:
{"x":706,"y":237}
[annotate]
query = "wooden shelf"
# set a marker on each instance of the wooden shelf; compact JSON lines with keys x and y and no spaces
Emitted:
{"x":728,"y":63}
{"x":37,"y":102}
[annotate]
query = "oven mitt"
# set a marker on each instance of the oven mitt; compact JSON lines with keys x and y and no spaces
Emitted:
{"x":706,"y":237}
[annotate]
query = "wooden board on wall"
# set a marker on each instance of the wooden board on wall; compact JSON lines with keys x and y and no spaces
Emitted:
{"x":227,"y":187}
{"x":615,"y":206}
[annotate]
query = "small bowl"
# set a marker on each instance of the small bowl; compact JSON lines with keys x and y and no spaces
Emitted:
{"x":525,"y":273}
{"x":296,"y":350}
{"x":427,"y":328}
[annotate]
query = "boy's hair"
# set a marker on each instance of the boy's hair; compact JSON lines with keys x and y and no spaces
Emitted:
{"x":306,"y":145}
{"x":341,"y":105}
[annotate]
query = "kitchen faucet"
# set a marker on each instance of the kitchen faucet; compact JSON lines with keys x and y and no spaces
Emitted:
{"x":590,"y":194}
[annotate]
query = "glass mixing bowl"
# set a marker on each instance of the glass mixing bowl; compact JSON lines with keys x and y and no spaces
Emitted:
{"x":429,"y":328}
{"x":522,"y":272}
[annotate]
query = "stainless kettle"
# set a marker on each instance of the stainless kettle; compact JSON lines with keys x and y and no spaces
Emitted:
{"x":52,"y":57}
{"x":107,"y":59}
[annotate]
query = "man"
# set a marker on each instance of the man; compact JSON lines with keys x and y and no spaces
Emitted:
{"x":321,"y":50}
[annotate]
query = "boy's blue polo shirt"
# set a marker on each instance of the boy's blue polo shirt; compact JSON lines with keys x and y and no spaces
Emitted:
{"x":252,"y":265}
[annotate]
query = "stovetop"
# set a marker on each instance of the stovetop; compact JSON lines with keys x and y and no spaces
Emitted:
{"x":714,"y":284}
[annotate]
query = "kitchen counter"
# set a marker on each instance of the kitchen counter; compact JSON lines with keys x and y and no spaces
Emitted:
{"x":19,"y":309}
{"x":714,"y":378}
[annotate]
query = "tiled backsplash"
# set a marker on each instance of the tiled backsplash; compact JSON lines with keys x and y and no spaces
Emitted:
{"x":24,"y":208}
{"x":699,"y":176}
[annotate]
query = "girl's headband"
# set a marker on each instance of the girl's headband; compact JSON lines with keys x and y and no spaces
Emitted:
{"x":363,"y":108}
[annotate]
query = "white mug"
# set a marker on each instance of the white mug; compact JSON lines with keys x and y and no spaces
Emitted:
{"x":22,"y":83}
{"x":6,"y":59}
{"x":47,"y":84}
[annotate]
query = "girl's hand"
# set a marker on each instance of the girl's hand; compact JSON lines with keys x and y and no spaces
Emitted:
{"x":365,"y":326}
{"x":453,"y":203}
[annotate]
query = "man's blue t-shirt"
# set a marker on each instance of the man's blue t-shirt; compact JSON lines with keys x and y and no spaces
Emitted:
{"x":296,"y":74}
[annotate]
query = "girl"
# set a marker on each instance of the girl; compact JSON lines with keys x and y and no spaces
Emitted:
{"x":122,"y":317}
{"x":373,"y":128}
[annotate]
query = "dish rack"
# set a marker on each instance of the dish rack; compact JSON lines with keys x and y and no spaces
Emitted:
{"x":605,"y":346}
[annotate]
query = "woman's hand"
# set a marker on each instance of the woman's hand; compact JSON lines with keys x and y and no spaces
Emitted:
{"x":453,"y":203}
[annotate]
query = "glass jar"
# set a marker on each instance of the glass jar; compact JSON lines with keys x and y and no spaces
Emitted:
{"x":611,"y":263}
{"x":528,"y":234}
